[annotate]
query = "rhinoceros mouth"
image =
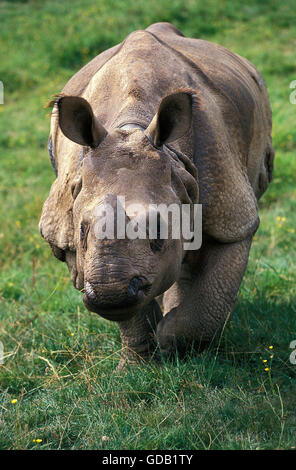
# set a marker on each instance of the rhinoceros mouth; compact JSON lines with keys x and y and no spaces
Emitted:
{"x":114,"y":312}
{"x":115,"y":306}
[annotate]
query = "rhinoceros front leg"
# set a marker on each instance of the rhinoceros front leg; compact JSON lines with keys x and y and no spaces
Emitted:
{"x":198,"y":305}
{"x":138,"y":335}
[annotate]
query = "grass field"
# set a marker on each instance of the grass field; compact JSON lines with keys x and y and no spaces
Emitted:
{"x":59,"y":388}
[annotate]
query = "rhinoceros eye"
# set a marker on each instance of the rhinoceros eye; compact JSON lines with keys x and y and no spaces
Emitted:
{"x":84,"y":229}
{"x":156,"y":244}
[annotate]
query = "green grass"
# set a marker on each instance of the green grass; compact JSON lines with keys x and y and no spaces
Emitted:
{"x":61,"y":360}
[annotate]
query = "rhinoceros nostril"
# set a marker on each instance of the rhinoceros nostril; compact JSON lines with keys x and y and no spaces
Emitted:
{"x":135,"y":286}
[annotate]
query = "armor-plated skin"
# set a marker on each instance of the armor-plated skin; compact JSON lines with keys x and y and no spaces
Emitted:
{"x":174,"y":120}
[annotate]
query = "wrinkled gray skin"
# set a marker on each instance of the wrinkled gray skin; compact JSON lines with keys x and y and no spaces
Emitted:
{"x":160,"y":118}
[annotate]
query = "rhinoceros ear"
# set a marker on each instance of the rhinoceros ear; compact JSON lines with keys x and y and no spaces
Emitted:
{"x":78,"y":123}
{"x":172,"y":119}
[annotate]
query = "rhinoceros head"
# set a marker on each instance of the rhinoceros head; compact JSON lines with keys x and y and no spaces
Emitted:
{"x":129,"y":172}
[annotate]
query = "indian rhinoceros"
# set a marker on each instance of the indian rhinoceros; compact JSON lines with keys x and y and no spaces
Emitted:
{"x":160,"y":119}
